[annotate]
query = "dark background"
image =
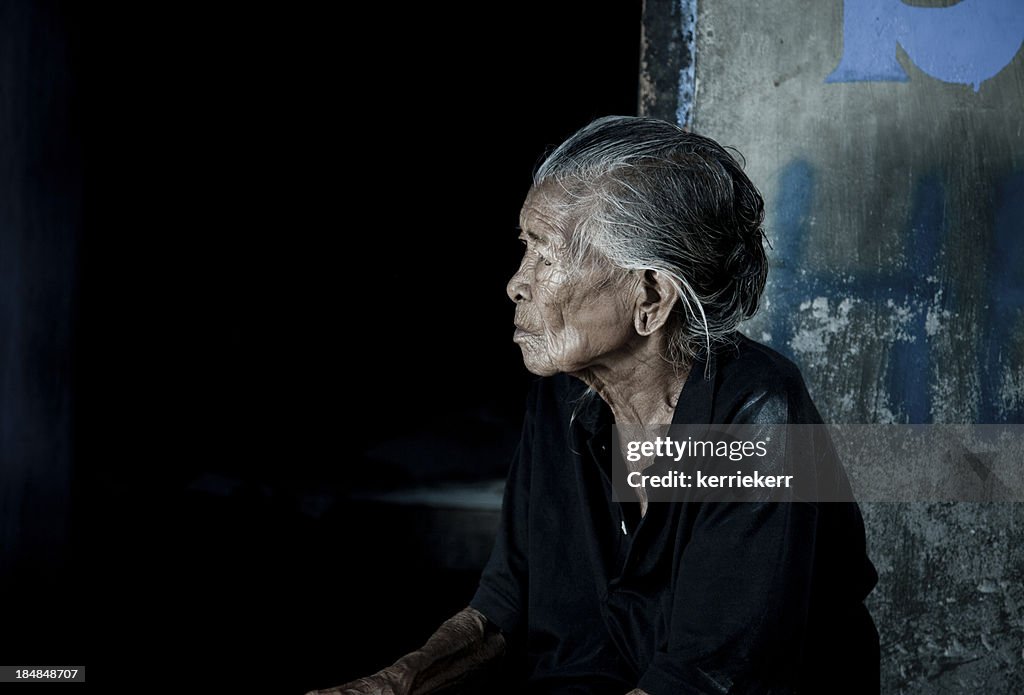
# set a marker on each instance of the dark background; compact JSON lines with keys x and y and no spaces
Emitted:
{"x":293,"y":232}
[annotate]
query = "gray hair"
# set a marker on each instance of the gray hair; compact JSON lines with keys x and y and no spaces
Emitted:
{"x":647,"y":195}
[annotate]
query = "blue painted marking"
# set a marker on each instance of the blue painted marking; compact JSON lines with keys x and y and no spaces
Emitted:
{"x":791,"y":231}
{"x":966,"y":43}
{"x":688,"y":75}
{"x":1006,"y":299}
{"x":999,"y":343}
{"x":909,"y":374}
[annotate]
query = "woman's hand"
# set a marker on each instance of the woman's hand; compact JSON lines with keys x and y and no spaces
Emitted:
{"x":464,"y":643}
{"x":396,"y":679}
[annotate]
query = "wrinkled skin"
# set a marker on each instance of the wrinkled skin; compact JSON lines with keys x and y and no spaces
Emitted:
{"x":393,"y":680}
{"x":462,"y":644}
{"x":602,"y":324}
{"x":564,"y":321}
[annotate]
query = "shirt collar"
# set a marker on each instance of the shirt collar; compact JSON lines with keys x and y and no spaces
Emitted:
{"x":697,"y":399}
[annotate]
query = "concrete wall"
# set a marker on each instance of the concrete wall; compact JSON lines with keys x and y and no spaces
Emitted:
{"x":894,"y":182}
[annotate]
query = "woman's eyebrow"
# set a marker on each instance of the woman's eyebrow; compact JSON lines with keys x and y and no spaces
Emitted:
{"x":539,"y":238}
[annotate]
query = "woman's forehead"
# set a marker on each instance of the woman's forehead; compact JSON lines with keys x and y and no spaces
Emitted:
{"x":545,"y":214}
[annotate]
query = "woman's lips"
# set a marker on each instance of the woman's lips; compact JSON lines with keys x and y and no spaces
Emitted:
{"x":520,"y":333}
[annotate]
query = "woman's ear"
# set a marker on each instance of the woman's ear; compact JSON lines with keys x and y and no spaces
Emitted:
{"x":656,"y":295}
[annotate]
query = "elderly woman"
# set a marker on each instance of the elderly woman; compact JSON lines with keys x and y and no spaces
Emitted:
{"x":643,"y":253}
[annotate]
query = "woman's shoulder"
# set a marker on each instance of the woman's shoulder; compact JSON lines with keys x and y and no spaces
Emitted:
{"x":752,"y":376}
{"x":747,"y":359}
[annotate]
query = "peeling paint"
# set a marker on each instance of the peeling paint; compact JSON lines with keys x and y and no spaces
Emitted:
{"x":936,"y":317}
{"x":687,"y":75}
{"x":814,"y":335}
{"x":1011,"y":395}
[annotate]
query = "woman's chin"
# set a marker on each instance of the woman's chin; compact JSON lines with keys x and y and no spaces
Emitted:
{"x":540,"y":367}
{"x":540,"y":370}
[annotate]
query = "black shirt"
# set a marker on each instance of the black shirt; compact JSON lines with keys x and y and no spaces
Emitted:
{"x":693,"y":598}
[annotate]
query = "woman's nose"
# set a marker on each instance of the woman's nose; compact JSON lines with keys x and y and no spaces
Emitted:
{"x":518,"y":289}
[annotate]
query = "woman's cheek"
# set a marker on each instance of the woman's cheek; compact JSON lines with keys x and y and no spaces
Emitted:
{"x":568,"y":350}
{"x":552,"y":301}
{"x":538,"y":357}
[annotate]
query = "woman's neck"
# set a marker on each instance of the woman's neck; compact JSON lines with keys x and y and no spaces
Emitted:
{"x":641,"y":387}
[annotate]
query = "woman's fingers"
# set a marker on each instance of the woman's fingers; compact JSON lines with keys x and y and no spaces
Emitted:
{"x":385,"y":682}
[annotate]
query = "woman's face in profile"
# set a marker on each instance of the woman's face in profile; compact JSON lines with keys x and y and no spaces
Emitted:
{"x":565,"y":321}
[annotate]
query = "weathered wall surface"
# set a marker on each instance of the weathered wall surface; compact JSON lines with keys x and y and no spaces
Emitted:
{"x":893,"y":176}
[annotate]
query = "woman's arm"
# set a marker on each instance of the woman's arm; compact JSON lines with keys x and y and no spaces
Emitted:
{"x":464,"y":643}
